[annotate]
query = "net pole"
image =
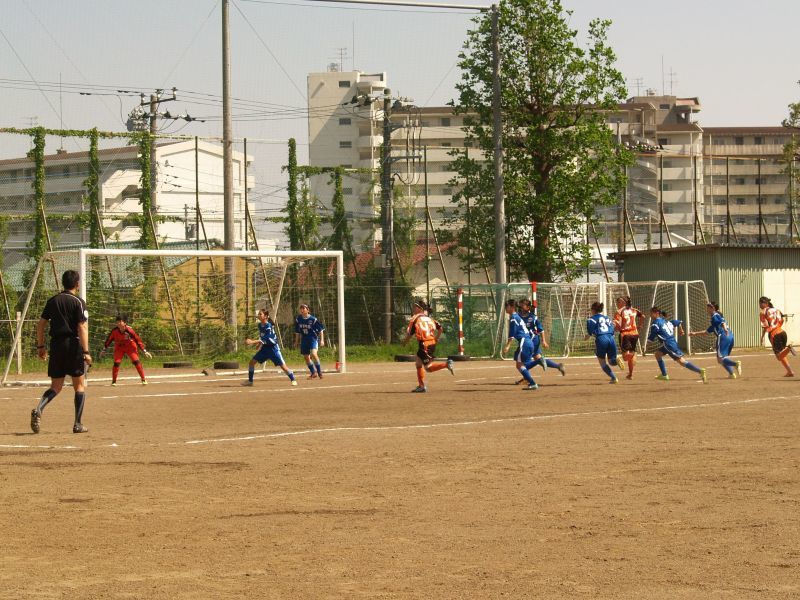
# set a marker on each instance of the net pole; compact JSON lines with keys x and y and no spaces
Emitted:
{"x":340,"y":310}
{"x":18,"y":332}
{"x":5,"y":302}
{"x":460,"y":298}
{"x":688,"y":317}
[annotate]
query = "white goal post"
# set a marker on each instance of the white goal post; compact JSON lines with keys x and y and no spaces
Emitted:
{"x":287,"y":255}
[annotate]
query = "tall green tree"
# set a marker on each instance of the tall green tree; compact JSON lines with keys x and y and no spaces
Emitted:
{"x":561,"y":160}
{"x":147,"y":240}
{"x":341,"y":236}
{"x":791,"y":156}
{"x":92,"y":183}
{"x":291,"y":204}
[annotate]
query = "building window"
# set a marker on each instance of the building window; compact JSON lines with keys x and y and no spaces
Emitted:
{"x":365,"y":201}
{"x":741,"y":201}
{"x":346,"y":166}
{"x":446,"y":144}
{"x":761,"y":180}
{"x":667,"y":187}
{"x":719,"y":141}
{"x":758,"y":140}
{"x":778,"y":140}
{"x":347,"y":191}
{"x":778,"y":200}
{"x":445,"y":121}
{"x":738,"y":181}
{"x":663,"y":141}
{"x":447,"y":191}
{"x":467,"y":144}
{"x":344,"y":84}
{"x":739,"y":141}
{"x":663,"y":106}
{"x":666,"y":163}
{"x":345,"y":144}
{"x":345,"y":121}
{"x":740,"y":220}
{"x":446,"y":167}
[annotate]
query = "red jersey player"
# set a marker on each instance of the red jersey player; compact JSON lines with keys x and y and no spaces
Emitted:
{"x":126,"y":342}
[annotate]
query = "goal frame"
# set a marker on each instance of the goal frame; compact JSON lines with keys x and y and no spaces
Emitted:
{"x":85,"y":253}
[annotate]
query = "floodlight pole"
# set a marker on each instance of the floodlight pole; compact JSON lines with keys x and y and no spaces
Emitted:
{"x":497,"y":138}
{"x":227,"y":173}
{"x":387,"y":210}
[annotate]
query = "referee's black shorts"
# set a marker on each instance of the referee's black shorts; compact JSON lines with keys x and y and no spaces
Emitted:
{"x":779,"y":342}
{"x":66,"y":358}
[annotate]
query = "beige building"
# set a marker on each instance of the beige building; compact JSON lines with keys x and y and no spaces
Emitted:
{"x":747,"y":186}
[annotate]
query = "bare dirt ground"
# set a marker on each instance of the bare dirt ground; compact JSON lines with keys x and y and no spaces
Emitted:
{"x":352,"y":487}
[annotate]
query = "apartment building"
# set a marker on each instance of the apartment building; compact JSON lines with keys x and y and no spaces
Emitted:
{"x":747,"y":183}
{"x":65,"y":195}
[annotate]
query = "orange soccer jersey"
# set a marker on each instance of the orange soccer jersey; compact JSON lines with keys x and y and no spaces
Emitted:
{"x":424,"y":328}
{"x":625,"y":321}
{"x":772,"y":321}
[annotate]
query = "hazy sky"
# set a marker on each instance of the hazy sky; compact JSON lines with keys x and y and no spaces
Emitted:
{"x":739,"y":57}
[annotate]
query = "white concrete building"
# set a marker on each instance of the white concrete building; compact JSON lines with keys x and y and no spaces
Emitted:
{"x":65,"y":193}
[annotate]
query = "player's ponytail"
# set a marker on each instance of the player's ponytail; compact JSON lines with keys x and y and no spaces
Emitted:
{"x":422,"y":305}
{"x":597,"y":307}
{"x":765,"y":300}
{"x":715,"y":306}
{"x":627,"y":300}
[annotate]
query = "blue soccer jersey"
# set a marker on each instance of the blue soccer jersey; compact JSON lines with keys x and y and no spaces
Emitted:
{"x":599,"y":326}
{"x":517,"y":328}
{"x":308,"y":327}
{"x":718,"y":325}
{"x":266,"y":335}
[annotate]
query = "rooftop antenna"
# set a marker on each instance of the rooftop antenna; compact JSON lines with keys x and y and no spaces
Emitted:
{"x":341,"y":54}
{"x":353,"y":48}
{"x":673,"y":79}
{"x":663,"y":82}
{"x":638,"y":82}
{"x":60,"y":112}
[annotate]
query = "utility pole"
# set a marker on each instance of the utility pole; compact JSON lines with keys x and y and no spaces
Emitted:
{"x":152,"y":104}
{"x":227,"y":172}
{"x":497,"y":136}
{"x":387,"y":219}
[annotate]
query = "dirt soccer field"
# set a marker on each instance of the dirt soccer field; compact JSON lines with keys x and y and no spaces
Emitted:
{"x":352,"y":487}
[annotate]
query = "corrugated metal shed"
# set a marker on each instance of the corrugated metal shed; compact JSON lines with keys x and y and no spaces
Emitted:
{"x":734,"y":276}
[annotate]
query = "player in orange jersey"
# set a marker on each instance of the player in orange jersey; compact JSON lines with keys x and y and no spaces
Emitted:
{"x":772,"y":325}
{"x":625,"y":321}
{"x":126,"y":343}
{"x":427,"y":330}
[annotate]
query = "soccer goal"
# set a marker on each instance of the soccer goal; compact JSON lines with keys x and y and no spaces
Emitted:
{"x":564,"y":307}
{"x":191,"y":306}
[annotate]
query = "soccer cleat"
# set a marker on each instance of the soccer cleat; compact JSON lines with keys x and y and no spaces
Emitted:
{"x":312,"y":376}
{"x":450,"y":367}
{"x":792,"y":350}
{"x":739,"y":368}
{"x":562,"y":370}
{"x":36,"y":421}
{"x":319,"y":375}
{"x":614,"y":381}
{"x":531,"y":386}
{"x":628,"y":376}
{"x":662,"y":377}
{"x":247,"y":383}
{"x":113,"y":384}
{"x":788,"y":375}
{"x":620,"y":363}
{"x":520,"y":381}
{"x":78,"y":428}
{"x":420,"y":389}
{"x":703,"y":376}
{"x":544,"y":365}
{"x":144,"y":381}
{"x":294,"y":382}
{"x":732,"y":376}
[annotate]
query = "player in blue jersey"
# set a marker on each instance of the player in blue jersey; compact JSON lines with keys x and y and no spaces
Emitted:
{"x":310,"y":332}
{"x":664,"y":329}
{"x":605,"y":347}
{"x":517,"y":330}
{"x":536,"y":330}
{"x":719,"y":327}
{"x":268,"y":348}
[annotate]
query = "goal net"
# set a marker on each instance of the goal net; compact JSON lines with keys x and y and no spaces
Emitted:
{"x":563,"y":309}
{"x":192,"y":306}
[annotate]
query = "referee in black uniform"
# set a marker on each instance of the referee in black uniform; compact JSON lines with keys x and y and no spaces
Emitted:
{"x":69,"y":347}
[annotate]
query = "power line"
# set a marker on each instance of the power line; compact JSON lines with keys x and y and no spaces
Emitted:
{"x":268,"y":49}
{"x":360,"y":8}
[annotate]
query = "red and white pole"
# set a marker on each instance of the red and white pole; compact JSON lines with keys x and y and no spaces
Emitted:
{"x":460,"y":322}
{"x":534,"y":300}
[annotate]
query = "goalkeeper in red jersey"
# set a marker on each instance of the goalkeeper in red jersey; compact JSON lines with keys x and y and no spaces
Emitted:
{"x":126,"y":343}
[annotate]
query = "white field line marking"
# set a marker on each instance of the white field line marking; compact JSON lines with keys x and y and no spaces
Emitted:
{"x":303,"y":432}
{"x":592,"y":413}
